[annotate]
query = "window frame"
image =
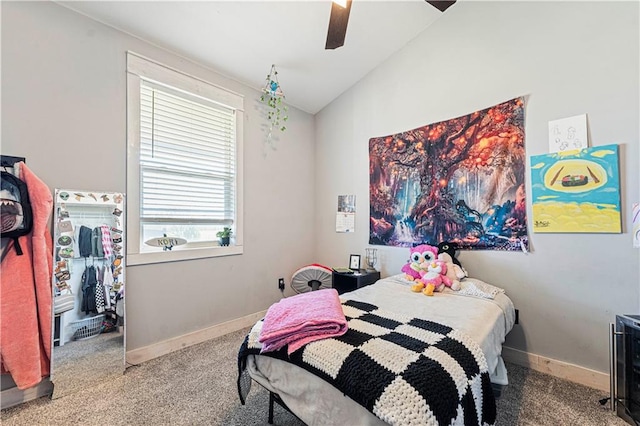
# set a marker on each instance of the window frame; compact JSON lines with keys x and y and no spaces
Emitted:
{"x":139,"y":68}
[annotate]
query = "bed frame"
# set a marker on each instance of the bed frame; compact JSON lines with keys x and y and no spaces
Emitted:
{"x":274,"y":398}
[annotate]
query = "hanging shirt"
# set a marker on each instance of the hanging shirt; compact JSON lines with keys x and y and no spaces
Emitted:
{"x":104,"y":274}
{"x":89,"y":282}
{"x":96,"y":242}
{"x":107,"y":245}
{"x":84,"y":241}
{"x":100,"y":297}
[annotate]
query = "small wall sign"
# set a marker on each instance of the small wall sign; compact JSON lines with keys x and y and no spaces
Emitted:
{"x":167,"y":243}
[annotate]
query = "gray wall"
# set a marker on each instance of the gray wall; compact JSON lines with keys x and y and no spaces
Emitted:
{"x":64,"y":109}
{"x":568,"y":59}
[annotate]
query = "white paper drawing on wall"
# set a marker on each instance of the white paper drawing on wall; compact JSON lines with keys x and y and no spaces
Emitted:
{"x":568,"y":133}
{"x":346,"y":215}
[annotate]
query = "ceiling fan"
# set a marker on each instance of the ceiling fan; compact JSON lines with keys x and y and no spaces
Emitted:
{"x":340,"y":16}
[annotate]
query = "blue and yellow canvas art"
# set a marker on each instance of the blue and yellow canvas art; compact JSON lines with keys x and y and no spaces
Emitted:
{"x":576,"y":191}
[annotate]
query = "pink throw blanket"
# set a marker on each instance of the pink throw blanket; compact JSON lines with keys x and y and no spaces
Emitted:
{"x":302,"y":319}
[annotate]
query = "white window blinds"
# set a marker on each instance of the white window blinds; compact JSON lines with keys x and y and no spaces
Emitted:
{"x":187,"y":158}
{"x":184,"y":164}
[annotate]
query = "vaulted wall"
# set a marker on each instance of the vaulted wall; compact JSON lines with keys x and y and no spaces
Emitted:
{"x":567,"y":58}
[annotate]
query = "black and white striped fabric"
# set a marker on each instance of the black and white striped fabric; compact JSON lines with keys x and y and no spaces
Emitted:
{"x":406,"y":371}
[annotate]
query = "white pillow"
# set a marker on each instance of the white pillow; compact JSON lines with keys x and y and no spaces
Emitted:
{"x":478,"y":288}
{"x":400,"y":279}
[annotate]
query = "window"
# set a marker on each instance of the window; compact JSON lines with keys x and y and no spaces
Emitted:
{"x":184,"y":174}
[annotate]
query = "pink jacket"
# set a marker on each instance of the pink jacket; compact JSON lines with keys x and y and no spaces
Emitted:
{"x":26,"y":296}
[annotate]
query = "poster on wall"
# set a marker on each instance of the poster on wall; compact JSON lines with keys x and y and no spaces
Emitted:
{"x":458,"y":180}
{"x":346,"y":215}
{"x":576,"y":191}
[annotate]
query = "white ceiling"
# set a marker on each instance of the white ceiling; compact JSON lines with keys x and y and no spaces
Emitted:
{"x":241,"y":39}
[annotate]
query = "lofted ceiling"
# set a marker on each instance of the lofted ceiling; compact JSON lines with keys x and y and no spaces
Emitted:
{"x":242,"y":39}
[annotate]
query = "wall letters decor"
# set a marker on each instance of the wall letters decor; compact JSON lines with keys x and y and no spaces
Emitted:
{"x":457,"y":180}
{"x":576,"y":191}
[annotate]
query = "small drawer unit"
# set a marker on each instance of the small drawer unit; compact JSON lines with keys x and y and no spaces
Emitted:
{"x":349,"y":282}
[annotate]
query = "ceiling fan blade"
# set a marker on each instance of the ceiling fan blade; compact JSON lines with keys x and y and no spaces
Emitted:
{"x":337,"y":25}
{"x":441,"y":5}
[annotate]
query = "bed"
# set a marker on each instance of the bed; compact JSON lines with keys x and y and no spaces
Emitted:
{"x":480,"y":311}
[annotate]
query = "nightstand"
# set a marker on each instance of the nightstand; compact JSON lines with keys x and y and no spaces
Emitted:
{"x":349,"y":282}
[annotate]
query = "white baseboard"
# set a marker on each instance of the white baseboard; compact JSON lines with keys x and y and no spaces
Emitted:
{"x":136,"y":356}
{"x":561,"y":369}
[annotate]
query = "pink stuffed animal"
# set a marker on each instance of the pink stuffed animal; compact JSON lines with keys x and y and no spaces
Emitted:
{"x":453,"y":272}
{"x":434,"y":278}
{"x":419,"y":258}
{"x":426,"y":270}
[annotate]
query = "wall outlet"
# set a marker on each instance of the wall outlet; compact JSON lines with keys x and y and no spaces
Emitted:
{"x":281,"y":283}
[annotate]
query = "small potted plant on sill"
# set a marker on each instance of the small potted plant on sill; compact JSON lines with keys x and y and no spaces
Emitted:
{"x":224,"y":236}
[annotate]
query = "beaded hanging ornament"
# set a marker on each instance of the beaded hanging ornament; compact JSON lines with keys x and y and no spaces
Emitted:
{"x":273,"y":97}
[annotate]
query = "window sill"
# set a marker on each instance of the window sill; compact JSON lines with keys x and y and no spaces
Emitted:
{"x":180,"y":255}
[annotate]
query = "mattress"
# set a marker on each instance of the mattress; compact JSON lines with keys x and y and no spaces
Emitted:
{"x":315,"y":402}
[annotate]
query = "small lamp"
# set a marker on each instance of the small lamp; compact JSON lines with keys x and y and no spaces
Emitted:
{"x":371,"y":258}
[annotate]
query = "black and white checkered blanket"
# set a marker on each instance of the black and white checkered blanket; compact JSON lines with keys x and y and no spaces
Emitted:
{"x":406,"y":371}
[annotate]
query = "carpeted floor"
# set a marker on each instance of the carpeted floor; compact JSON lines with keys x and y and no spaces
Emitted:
{"x":197,"y":386}
{"x":84,"y":363}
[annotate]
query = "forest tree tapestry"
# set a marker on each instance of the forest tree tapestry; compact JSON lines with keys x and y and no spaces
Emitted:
{"x":458,"y":180}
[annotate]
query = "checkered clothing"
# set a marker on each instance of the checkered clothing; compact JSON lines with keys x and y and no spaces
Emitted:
{"x":107,"y":246}
{"x":406,"y":371}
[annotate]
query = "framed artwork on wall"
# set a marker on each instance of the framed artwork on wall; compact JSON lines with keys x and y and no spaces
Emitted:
{"x":354,"y":262}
